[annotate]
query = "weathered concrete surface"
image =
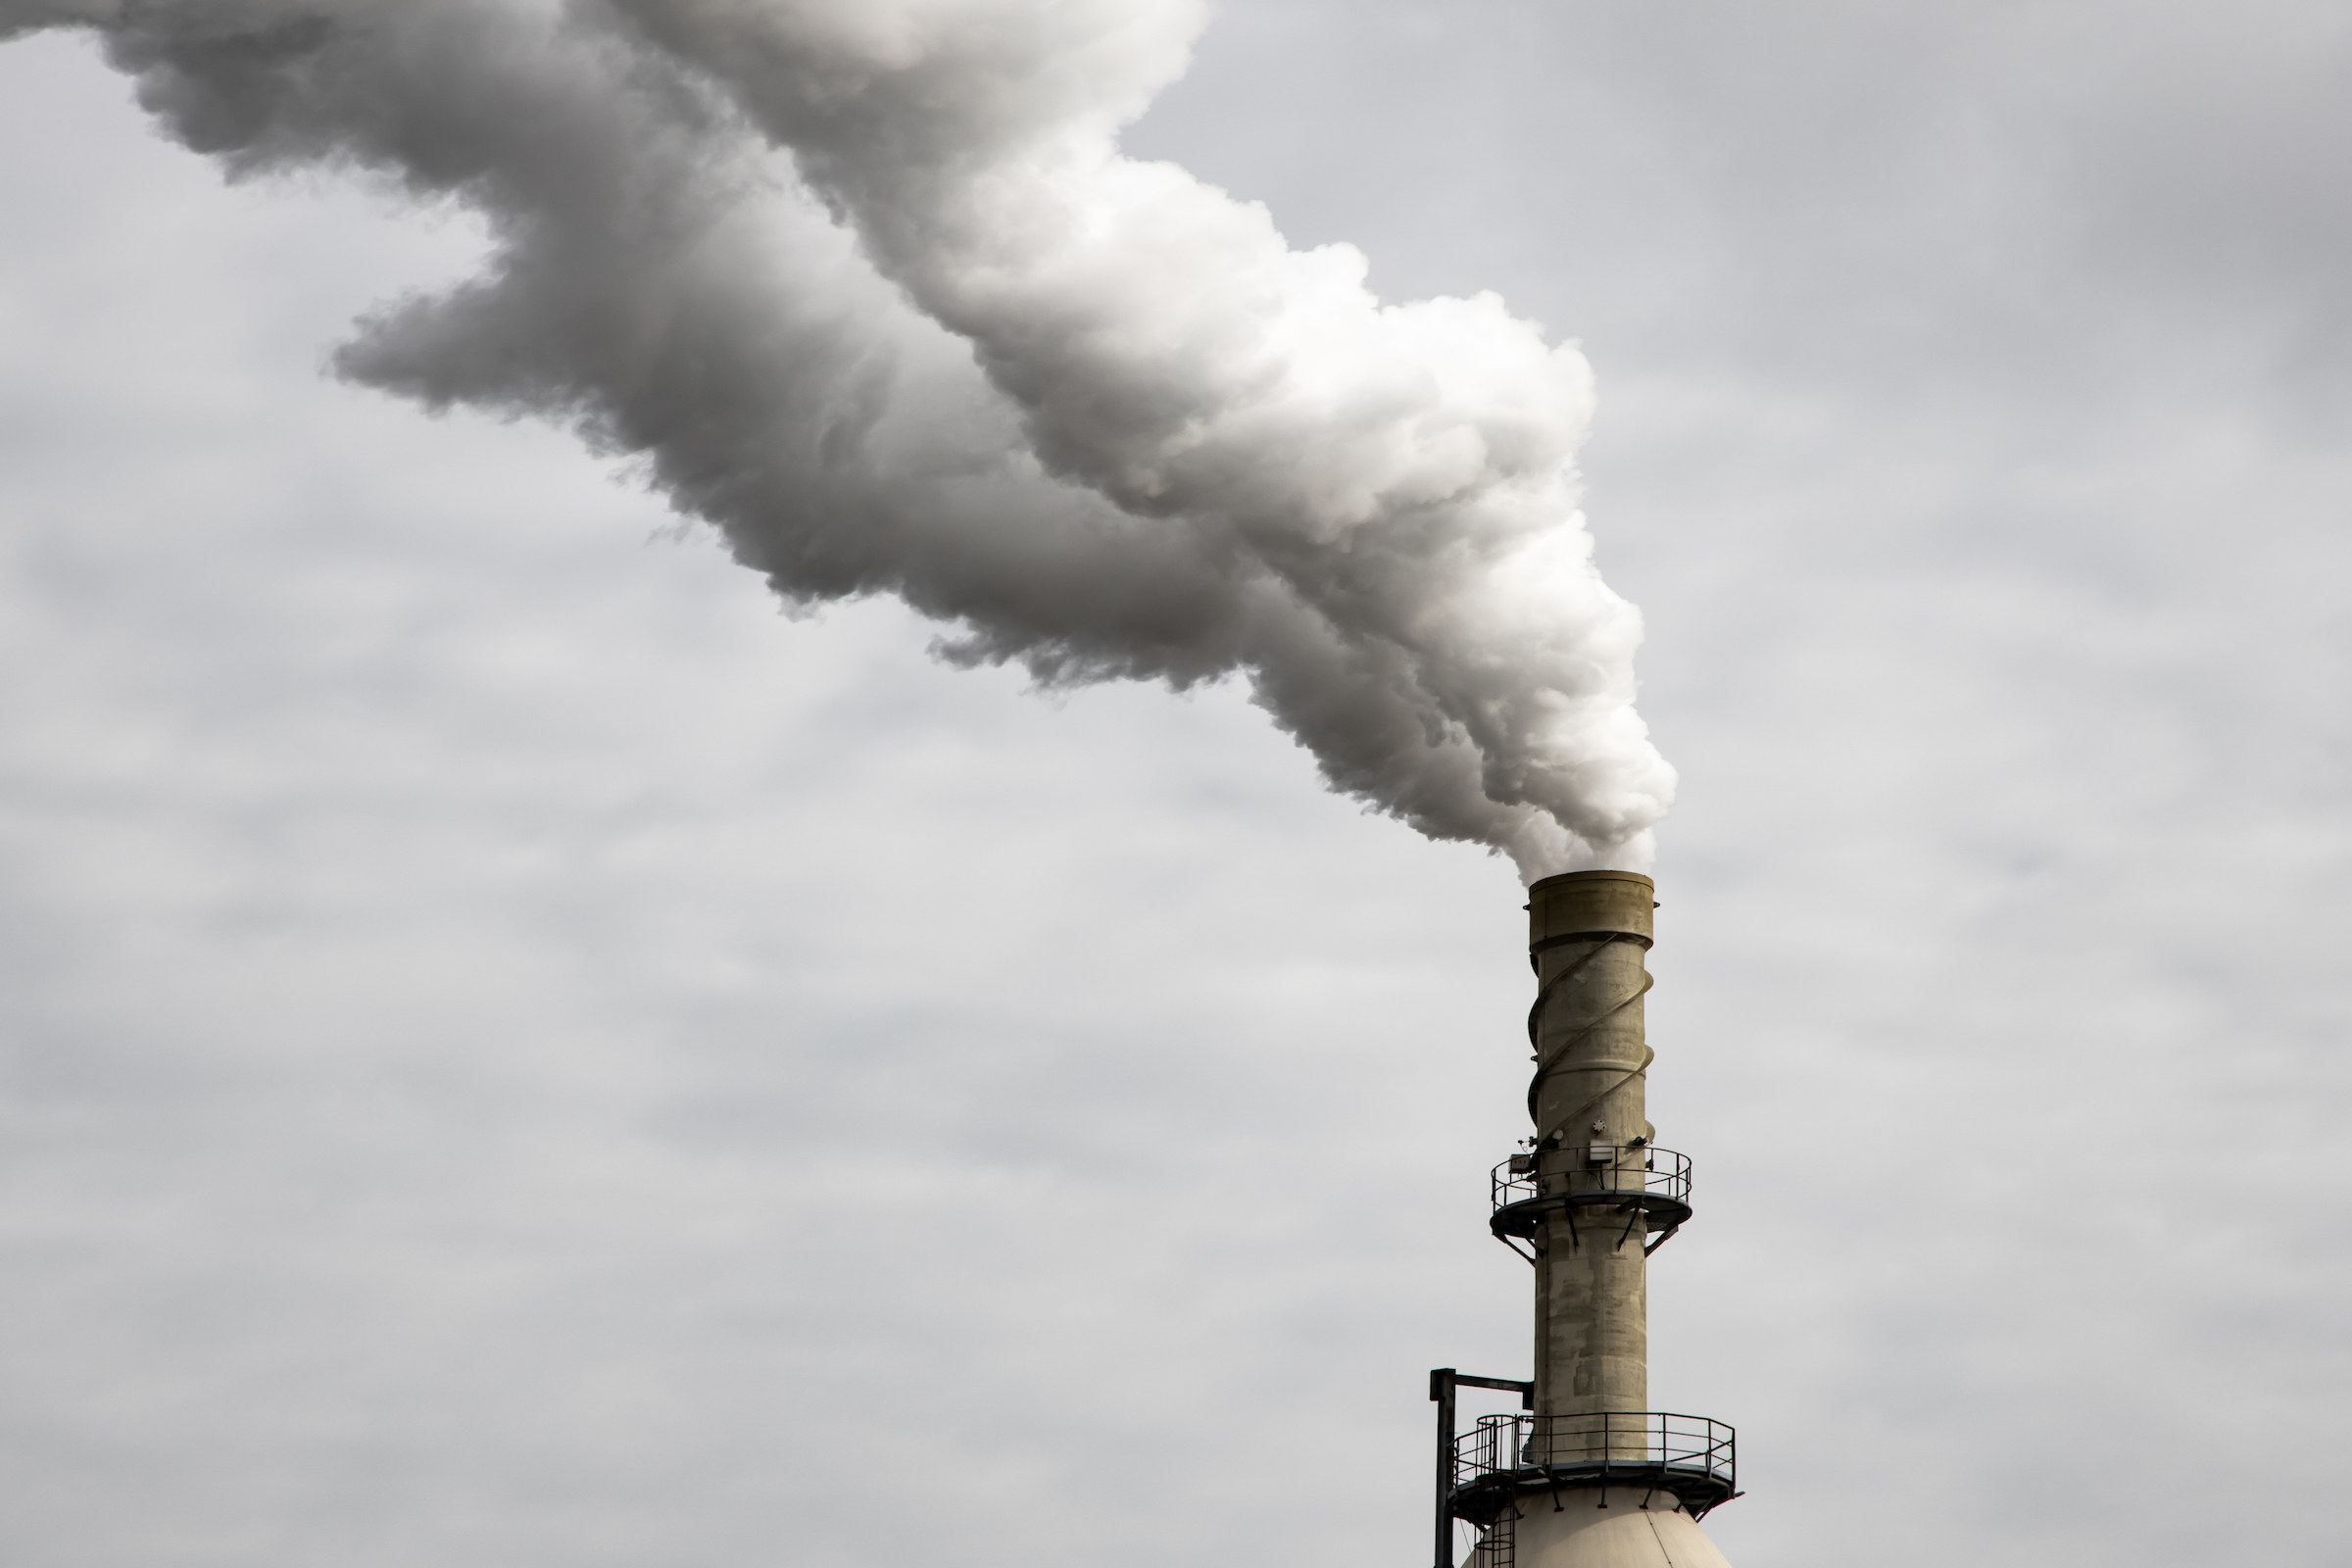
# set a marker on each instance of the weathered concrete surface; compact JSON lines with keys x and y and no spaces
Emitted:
{"x":1588,"y":935}
{"x":1623,"y":1535}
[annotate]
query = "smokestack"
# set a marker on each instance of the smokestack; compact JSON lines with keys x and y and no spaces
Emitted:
{"x":1588,"y":933}
{"x":1588,"y":1476}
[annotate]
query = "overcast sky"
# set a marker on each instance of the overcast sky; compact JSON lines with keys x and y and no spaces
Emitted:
{"x":516,"y":1053}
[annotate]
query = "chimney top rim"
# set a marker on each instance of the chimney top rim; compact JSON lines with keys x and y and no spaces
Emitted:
{"x":1589,"y":876}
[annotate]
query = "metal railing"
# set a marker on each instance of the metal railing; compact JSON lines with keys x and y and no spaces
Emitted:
{"x":1689,"y":1454}
{"x":1661,"y":1172}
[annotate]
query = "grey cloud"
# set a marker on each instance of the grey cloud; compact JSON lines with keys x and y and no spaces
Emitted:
{"x":476,"y":1088}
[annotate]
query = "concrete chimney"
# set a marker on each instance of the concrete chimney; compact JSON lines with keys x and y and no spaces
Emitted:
{"x":1588,"y":934}
{"x":1585,"y":1475}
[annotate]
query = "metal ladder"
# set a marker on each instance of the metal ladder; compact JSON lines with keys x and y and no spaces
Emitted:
{"x":1495,"y":1544}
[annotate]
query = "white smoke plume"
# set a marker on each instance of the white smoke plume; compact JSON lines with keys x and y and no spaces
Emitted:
{"x":869,"y":287}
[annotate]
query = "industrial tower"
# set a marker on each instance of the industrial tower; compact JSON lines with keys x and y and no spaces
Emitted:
{"x":1585,"y":1475}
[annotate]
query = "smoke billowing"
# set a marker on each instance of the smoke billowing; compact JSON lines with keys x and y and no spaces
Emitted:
{"x":867,"y":285}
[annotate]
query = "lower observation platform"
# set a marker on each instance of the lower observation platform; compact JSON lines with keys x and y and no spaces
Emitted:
{"x":1507,"y":1457}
